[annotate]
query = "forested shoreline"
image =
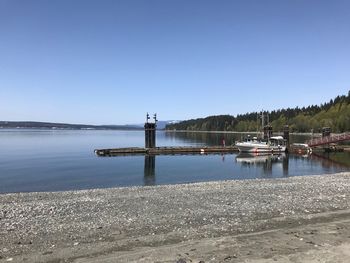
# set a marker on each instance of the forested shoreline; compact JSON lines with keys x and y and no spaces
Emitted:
{"x":334,"y":114}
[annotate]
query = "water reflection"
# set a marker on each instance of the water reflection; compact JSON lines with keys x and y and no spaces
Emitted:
{"x":188,"y":168}
{"x":149,"y":170}
{"x":204,"y":138}
{"x":265,"y":161}
{"x":332,"y":159}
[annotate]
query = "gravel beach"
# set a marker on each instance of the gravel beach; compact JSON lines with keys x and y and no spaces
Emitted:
{"x":299,"y":219}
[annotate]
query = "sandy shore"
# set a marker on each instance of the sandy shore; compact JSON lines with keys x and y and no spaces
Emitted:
{"x":299,"y":219}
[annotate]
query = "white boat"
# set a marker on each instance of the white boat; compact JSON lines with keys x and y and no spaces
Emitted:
{"x":301,"y":148}
{"x":273,"y":144}
{"x":254,"y":145}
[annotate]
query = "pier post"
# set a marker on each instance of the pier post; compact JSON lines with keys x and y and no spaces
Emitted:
{"x":267,"y":132}
{"x":326,"y":131}
{"x":150,"y":132}
{"x":286,"y":134}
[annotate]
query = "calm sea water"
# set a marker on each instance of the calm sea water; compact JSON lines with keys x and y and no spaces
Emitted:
{"x":56,"y":160}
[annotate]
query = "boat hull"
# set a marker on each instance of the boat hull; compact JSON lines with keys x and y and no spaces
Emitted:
{"x":258,"y":148}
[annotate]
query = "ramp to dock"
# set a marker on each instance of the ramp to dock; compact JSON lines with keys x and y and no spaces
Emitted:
{"x":328,"y":139}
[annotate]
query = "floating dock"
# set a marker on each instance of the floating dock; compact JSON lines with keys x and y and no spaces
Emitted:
{"x":151,"y":149}
{"x":166,"y":150}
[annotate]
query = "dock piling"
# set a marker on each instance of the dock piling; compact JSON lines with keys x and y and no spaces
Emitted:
{"x":286,"y":134}
{"x":150,"y":132}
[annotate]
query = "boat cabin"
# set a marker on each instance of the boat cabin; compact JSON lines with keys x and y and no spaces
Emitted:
{"x":277,"y":141}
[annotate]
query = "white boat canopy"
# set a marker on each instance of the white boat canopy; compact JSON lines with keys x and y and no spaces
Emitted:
{"x":276,"y":138}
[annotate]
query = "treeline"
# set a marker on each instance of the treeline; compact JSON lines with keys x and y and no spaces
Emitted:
{"x":334,"y":114}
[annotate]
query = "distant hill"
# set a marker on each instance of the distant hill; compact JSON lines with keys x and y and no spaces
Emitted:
{"x":334,"y":114}
{"x":49,"y":125}
{"x":160,"y":124}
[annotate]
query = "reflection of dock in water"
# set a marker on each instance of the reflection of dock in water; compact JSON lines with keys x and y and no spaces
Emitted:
{"x":327,"y":161}
{"x":150,"y":170}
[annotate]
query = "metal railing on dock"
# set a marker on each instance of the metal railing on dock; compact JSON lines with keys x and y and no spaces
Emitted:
{"x":328,"y":139}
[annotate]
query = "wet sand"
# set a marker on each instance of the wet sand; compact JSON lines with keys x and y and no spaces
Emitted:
{"x":299,"y":219}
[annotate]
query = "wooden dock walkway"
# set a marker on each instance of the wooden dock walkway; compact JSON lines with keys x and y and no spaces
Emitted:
{"x":166,"y":150}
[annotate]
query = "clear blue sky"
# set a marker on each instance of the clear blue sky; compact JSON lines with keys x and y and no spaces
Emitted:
{"x":109,"y":62}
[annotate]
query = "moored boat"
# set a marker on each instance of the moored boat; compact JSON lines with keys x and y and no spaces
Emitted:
{"x":300,"y":148}
{"x":254,"y":145}
{"x":270,"y":144}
